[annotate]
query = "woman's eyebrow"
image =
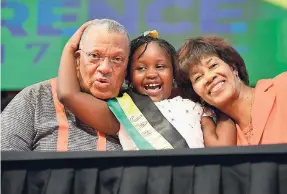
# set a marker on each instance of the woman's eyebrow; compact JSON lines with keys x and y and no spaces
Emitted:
{"x":209,"y":60}
{"x":193,"y":73}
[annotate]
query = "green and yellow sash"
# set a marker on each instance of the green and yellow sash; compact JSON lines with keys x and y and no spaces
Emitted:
{"x":144,"y":123}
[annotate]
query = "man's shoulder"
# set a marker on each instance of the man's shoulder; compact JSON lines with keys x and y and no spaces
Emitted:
{"x":37,"y":89}
{"x":35,"y":93}
{"x":29,"y":99}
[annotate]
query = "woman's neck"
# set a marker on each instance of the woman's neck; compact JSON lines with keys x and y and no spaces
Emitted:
{"x":240,"y":109}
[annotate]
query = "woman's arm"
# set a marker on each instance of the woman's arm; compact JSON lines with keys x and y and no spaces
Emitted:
{"x":87,"y":108}
{"x":223,"y":133}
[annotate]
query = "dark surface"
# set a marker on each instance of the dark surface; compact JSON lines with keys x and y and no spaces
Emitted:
{"x":248,"y":170}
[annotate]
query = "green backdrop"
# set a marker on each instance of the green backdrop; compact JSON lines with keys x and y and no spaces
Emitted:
{"x":34,"y":32}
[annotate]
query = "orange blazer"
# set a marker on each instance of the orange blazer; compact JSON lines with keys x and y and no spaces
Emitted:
{"x":269,"y":113}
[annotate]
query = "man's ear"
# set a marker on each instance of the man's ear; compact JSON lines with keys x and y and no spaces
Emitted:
{"x":77,"y":56}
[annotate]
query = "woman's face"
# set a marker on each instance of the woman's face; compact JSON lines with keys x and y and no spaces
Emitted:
{"x":152,"y":72}
{"x":215,"y":81}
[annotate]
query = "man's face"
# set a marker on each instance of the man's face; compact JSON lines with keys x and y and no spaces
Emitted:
{"x":102,"y":61}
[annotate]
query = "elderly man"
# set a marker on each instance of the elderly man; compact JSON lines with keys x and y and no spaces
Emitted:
{"x":36,"y":120}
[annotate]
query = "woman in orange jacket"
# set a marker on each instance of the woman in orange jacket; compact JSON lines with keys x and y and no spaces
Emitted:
{"x":211,"y":71}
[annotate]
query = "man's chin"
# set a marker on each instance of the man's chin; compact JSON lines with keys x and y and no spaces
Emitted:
{"x":103,"y":95}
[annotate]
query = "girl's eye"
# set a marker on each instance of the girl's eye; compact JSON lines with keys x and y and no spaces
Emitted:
{"x":141,"y":68}
{"x":160,"y":66}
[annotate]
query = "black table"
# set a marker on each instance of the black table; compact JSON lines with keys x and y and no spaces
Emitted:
{"x":232,"y":170}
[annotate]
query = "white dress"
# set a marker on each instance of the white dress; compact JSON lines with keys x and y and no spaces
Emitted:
{"x":183,"y":114}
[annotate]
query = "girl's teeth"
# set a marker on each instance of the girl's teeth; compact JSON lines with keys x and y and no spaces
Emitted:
{"x":152,"y":84}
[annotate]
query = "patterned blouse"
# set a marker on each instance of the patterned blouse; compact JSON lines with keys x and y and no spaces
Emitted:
{"x":183,"y":114}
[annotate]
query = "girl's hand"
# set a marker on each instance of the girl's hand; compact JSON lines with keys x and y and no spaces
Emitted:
{"x":207,"y":112}
{"x":74,"y":41}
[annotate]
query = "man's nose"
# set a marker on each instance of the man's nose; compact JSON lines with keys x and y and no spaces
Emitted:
{"x":105,"y":67}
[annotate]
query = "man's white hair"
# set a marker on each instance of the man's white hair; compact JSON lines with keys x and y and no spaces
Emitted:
{"x":111,"y":25}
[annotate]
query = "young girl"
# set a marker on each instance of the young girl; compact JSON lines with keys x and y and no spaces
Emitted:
{"x":150,"y":71}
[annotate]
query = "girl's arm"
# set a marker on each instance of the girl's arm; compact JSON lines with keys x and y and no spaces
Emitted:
{"x":223,"y":133}
{"x":92,"y":111}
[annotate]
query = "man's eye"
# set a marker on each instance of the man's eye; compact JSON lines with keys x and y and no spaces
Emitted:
{"x":95,"y":56}
{"x":117,"y":60}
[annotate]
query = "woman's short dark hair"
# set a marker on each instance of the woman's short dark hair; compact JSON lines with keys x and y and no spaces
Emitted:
{"x":192,"y":51}
{"x":145,"y":40}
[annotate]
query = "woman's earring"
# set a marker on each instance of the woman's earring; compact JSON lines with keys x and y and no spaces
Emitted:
{"x":236,"y":74}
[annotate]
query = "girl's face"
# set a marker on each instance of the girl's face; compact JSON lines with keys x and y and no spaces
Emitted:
{"x":152,"y":72}
{"x":215,"y":81}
